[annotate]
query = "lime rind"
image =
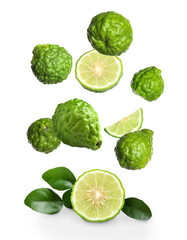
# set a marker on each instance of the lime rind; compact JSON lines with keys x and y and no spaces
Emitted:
{"x":98,"y":88}
{"x":112,"y":213}
{"x":136,"y":117}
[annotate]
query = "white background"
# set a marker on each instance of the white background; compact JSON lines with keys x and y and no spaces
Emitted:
{"x":160,"y":40}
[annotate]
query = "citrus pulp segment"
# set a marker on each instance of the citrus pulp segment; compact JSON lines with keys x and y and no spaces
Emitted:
{"x":127,"y":124}
{"x":97,"y":196}
{"x":97,"y":72}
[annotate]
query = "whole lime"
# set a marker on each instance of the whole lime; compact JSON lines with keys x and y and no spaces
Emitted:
{"x":110,"y":33}
{"x":40,"y":134}
{"x":134,"y":150}
{"x":51,"y":63}
{"x":148,"y":83}
{"x":76,"y":123}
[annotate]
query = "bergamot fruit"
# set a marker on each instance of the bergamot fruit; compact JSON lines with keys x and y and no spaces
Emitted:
{"x":76,"y":123}
{"x":40,"y":134}
{"x":110,"y":33}
{"x":98,"y":196}
{"x":148,"y":83}
{"x":127,"y":124}
{"x":134,"y":150}
{"x":98,"y":72}
{"x":51,"y":63}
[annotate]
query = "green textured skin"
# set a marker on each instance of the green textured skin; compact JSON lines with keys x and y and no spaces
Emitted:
{"x":51,"y":63}
{"x":148,"y":83}
{"x":41,"y":135}
{"x":110,"y":33}
{"x":134,"y":150}
{"x":76,"y":123}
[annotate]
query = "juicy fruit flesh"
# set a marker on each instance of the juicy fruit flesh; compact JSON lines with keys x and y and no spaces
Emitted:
{"x":127,"y":124}
{"x":97,"y":68}
{"x":96,"y":71}
{"x":97,"y":196}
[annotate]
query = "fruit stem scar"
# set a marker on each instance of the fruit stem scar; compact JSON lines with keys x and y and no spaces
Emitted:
{"x":98,"y":143}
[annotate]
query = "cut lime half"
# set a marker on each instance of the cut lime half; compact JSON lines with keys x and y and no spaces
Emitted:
{"x":127,"y":124}
{"x":97,"y":196}
{"x":97,"y":72}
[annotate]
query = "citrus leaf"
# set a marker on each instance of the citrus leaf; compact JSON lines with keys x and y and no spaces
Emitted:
{"x":44,"y":200}
{"x":137,"y":209}
{"x":66,"y":199}
{"x":59,"y":178}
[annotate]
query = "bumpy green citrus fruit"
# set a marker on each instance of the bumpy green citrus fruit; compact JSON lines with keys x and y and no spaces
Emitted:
{"x":40,"y":134}
{"x":51,"y":63}
{"x":110,"y":33}
{"x":76,"y":123}
{"x":97,"y":196}
{"x":134,"y":150}
{"x":148,"y":83}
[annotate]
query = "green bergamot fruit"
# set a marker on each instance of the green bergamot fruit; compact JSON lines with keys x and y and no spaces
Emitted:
{"x":97,"y":196}
{"x":134,"y":150}
{"x":110,"y":33}
{"x":148,"y":83}
{"x":51,"y":63}
{"x":40,"y":134}
{"x":76,"y":123}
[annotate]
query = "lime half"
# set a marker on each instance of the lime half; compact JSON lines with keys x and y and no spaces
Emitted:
{"x":97,"y":72}
{"x":97,"y":196}
{"x":127,"y":124}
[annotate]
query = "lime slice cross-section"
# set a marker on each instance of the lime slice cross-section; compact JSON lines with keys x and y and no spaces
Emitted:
{"x":97,"y":196}
{"x":97,"y":72}
{"x":127,"y":124}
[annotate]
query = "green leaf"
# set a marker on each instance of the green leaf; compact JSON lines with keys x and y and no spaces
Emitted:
{"x":59,"y":178}
{"x":66,"y":199}
{"x":44,"y":200}
{"x":136,"y":208}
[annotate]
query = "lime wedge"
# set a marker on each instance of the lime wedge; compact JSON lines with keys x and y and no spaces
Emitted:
{"x":97,"y":72}
{"x":127,"y":124}
{"x":97,"y":196}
